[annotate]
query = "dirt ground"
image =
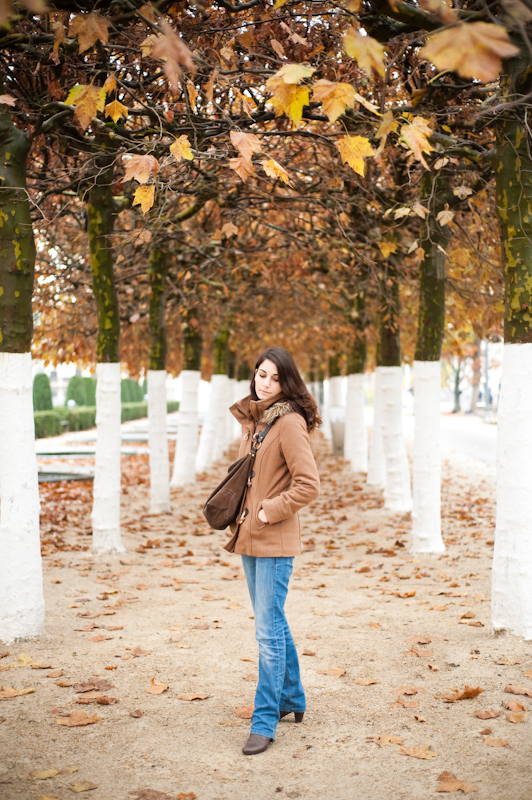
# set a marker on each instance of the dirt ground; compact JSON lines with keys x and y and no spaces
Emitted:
{"x":384,"y":637}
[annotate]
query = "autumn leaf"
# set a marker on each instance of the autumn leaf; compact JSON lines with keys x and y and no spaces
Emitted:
{"x":366,"y":103}
{"x":415,"y":135}
{"x":156,"y":687}
{"x":291,"y":73}
{"x":193,"y":696}
{"x":115,"y":109}
{"x":386,"y":248}
{"x":288,"y":99}
{"x":385,"y":739}
{"x":496,"y":742}
{"x":420,"y":211}
{"x":8,"y":692}
{"x":277,"y":47}
{"x":388,"y":125}
{"x":514,"y":705}
{"x":229,"y":229}
{"x":334,"y":97}
{"x":418,"y":752}
{"x":273,"y":169}
{"x":473,"y":50}
{"x":83,"y":786}
{"x":516,"y":717}
{"x":141,"y":168}
{"x":518,"y":690}
{"x":353,"y":150}
{"x":87,"y":100}
{"x":489,"y":714}
{"x":447,"y":782}
{"x":144,"y":197}
{"x":246,"y":143}
{"x":242,"y":167}
{"x":78,"y":718}
{"x":453,"y":696}
{"x":170,"y":48}
{"x":366,"y":681}
{"x":333,"y":673}
{"x":44,"y":774}
{"x":246,"y":712}
{"x":7,"y":100}
{"x":181,"y":148}
{"x":367,"y":51}
{"x":444,"y":217}
{"x":89,"y":28}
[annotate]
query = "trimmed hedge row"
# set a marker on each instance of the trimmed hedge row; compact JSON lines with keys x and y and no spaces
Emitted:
{"x":63,"y":419}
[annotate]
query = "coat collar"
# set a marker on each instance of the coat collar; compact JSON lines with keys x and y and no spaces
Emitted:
{"x":252,"y":410}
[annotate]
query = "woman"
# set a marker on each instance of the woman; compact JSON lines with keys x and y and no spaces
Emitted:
{"x":285,"y":479}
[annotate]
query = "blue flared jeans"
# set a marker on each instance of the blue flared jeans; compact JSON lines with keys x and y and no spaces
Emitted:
{"x":279,"y":687}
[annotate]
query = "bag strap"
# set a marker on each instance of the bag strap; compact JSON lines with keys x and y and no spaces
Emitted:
{"x":257,"y":441}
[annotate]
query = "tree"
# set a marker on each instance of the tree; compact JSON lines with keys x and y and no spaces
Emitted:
{"x":42,"y":393}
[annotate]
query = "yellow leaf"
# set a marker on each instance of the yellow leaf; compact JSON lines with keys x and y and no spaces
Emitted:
{"x":279,"y":4}
{"x":291,"y":73}
{"x":387,"y":126}
{"x":354,"y":149}
{"x":289,"y":100}
{"x":274,"y":170}
{"x":181,"y":149}
{"x":87,"y":100}
{"x":147,"y":45}
{"x":472,"y":49}
{"x":404,"y":211}
{"x":45,"y":773}
{"x":245,"y":143}
{"x":110,"y":84}
{"x":417,"y":752}
{"x":191,"y":91}
{"x":420,"y":210}
{"x":144,"y":197}
{"x":334,"y":97}
{"x":60,"y":32}
{"x":415,"y":135}
{"x":115,"y":110}
{"x":386,"y":248}
{"x":367,"y":51}
{"x":445,"y":12}
{"x":370,"y":106}
{"x":444,"y":217}
{"x":242,"y":166}
{"x":89,"y":28}
{"x":140,"y":168}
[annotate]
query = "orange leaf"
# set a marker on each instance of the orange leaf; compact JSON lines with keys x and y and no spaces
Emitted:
{"x":170,"y":48}
{"x":144,"y":197}
{"x":246,"y":712}
{"x":490,"y":714}
{"x":242,"y":167}
{"x":245,"y":143}
{"x":77,"y":718}
{"x":89,"y":28}
{"x":190,"y":697}
{"x":141,"y":168}
{"x":367,"y":51}
{"x":156,"y":687}
{"x":496,"y":742}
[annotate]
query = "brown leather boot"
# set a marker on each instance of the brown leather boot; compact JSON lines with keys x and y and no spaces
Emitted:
{"x":256,"y":744}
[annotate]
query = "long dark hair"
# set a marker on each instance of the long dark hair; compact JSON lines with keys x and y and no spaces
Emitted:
{"x":292,"y":385}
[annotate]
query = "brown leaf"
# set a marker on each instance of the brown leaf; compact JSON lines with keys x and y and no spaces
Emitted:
{"x":77,"y":718}
{"x":486,"y":732}
{"x":138,"y":651}
{"x":420,"y":639}
{"x":94,"y":684}
{"x":510,"y":661}
{"x":518,"y":690}
{"x":385,"y":739}
{"x":401,"y":703}
{"x":151,"y":794}
{"x":309,"y":652}
{"x":242,"y":167}
{"x":454,"y":695}
{"x":100,"y":637}
{"x":82,"y":786}
{"x":55,"y":673}
{"x":136,"y":714}
{"x":514,"y":705}
{"x":190,"y":697}
{"x":516,"y":717}
{"x":8,"y":692}
{"x":156,"y":687}
{"x":141,"y":168}
{"x":44,"y":774}
{"x":366,"y":681}
{"x":173,"y":50}
{"x":89,"y":28}
{"x":451,"y":784}
{"x":496,"y":742}
{"x":407,"y":690}
{"x":490,"y":714}
{"x":334,"y":673}
{"x":186,"y":796}
{"x":246,"y":712}
{"x":418,"y":752}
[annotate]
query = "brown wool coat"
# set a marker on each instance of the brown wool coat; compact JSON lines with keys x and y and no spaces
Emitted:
{"x":286,"y":479}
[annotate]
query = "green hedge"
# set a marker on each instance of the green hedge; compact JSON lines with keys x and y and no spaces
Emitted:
{"x":90,"y":391}
{"x":42,"y":393}
{"x":49,"y":423}
{"x":76,"y":390}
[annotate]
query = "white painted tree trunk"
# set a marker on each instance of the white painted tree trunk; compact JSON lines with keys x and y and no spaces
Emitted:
{"x":512,"y":557}
{"x":106,"y":493}
{"x":426,"y":513}
{"x":397,"y":491}
{"x":214,"y":418}
{"x":326,"y":417}
{"x":241,"y":391}
{"x":221,"y":414}
{"x":229,"y":419}
{"x":158,"y":443}
{"x":335,"y":391}
{"x":21,"y":584}
{"x":356,"y":434}
{"x":187,"y":430}
{"x":376,"y":465}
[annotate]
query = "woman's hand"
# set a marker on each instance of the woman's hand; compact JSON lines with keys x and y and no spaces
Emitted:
{"x":262,"y":516}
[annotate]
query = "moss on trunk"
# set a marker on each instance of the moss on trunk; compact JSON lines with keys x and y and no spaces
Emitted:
{"x":356,"y":358}
{"x":192,"y":339}
{"x":17,"y":246}
{"x":220,"y":351}
{"x":157,"y":272}
{"x":389,"y":343}
{"x":101,"y":216}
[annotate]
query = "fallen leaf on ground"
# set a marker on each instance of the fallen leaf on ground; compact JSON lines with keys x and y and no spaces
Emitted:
{"x":528,"y":674}
{"x":94,"y":684}
{"x":401,"y":703}
{"x":8,"y":692}
{"x":40,"y":665}
{"x":511,"y":662}
{"x":385,"y":739}
{"x":468,"y":615}
{"x":407,"y":690}
{"x":474,"y":623}
{"x":490,"y":714}
{"x":190,"y":697}
{"x":418,"y":752}
{"x":454,"y":695}
{"x":151,"y":794}
{"x":420,"y":639}
{"x":366,"y":681}
{"x":44,"y":774}
{"x":246,"y":712}
{"x":516,"y":717}
{"x":156,"y":688}
{"x":419,"y":718}
{"x":334,"y":673}
{"x":83,"y":786}
{"x":100,"y":637}
{"x":518,"y":690}
{"x":415,"y":653}
{"x":55,"y":673}
{"x":136,"y":714}
{"x":77,"y":718}
{"x":65,"y":683}
{"x":486,"y":732}
{"x":447,"y":782}
{"x":496,"y":742}
{"x":186,"y":796}
{"x":514,"y":705}
{"x":138,"y":651}
{"x":309,"y":652}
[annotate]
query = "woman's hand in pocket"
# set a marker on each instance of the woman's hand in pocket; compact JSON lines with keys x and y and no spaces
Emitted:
{"x":262,"y":516}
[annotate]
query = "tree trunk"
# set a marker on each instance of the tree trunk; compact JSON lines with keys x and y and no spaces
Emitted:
{"x":213,"y":433}
{"x":21,"y":585}
{"x":376,"y":464}
{"x":457,"y":372}
{"x":512,"y":558}
{"x":426,"y":512}
{"x":397,"y":491}
{"x":475,"y":384}
{"x":232,"y":396}
{"x":157,"y":429}
{"x":356,"y":434}
{"x":101,"y":215}
{"x":188,"y":425}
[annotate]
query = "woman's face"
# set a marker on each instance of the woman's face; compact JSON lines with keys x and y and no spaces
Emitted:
{"x":267,"y":380}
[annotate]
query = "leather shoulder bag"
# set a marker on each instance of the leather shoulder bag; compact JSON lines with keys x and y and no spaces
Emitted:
{"x":226,"y":503}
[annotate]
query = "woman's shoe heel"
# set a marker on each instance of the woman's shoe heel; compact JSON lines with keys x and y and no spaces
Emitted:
{"x":297,"y":714}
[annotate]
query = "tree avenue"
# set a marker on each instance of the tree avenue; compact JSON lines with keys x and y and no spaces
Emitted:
{"x":332,"y":170}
